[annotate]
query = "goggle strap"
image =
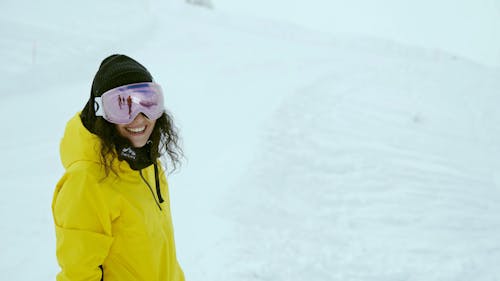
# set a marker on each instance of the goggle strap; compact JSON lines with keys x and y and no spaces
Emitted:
{"x":99,"y":110}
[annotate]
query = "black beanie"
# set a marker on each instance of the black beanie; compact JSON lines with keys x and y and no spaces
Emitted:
{"x":114,"y":71}
{"x":118,"y":70}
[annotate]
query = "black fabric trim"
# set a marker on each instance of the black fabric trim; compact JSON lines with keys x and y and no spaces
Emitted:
{"x":137,"y":157}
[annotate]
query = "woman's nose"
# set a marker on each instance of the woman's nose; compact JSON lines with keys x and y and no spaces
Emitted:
{"x":139,"y":117}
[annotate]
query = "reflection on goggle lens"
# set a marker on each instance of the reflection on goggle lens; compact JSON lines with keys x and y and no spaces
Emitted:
{"x":121,"y":105}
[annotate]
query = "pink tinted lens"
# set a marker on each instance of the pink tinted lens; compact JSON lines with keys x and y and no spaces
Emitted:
{"x":121,"y":105}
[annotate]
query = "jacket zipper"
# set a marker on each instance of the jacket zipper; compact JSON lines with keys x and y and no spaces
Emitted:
{"x":150,"y":189}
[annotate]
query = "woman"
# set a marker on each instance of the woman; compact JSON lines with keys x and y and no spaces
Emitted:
{"x":111,"y":207}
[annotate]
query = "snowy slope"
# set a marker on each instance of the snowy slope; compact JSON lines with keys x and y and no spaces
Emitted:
{"x":308,"y":156}
{"x":383,"y":173}
{"x":466,"y":28}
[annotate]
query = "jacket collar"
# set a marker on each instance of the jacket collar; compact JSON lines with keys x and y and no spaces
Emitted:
{"x":79,"y":144}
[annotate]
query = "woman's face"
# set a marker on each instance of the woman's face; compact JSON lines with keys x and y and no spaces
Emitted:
{"x":138,"y":131}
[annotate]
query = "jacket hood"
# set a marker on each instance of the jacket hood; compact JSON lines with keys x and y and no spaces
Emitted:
{"x":78,"y":144}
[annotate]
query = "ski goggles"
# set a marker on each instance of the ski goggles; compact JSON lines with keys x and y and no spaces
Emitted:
{"x":122,"y":104}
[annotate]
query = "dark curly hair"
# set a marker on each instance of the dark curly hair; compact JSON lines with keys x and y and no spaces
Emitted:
{"x":115,"y":71}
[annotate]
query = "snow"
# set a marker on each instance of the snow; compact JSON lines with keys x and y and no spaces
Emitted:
{"x":465,"y":28}
{"x":309,"y":156}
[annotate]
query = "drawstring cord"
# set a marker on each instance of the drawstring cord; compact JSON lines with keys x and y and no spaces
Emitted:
{"x":157,"y":182}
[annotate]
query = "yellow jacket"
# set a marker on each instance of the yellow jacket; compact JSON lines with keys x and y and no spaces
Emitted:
{"x":110,"y":228}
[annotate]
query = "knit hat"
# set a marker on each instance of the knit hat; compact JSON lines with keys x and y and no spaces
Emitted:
{"x":114,"y":71}
{"x":118,"y":70}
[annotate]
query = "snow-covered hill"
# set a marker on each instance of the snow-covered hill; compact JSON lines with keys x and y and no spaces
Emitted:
{"x":308,"y":156}
{"x":384,"y":172}
{"x":466,"y":28}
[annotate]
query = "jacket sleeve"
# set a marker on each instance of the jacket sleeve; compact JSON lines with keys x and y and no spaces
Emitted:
{"x":82,"y":220}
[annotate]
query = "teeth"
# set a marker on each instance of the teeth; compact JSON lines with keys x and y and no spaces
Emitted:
{"x":136,"y":130}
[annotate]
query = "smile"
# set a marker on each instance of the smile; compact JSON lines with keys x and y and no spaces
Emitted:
{"x":139,"y":130}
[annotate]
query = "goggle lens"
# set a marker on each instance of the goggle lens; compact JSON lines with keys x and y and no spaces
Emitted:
{"x":121,"y":105}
